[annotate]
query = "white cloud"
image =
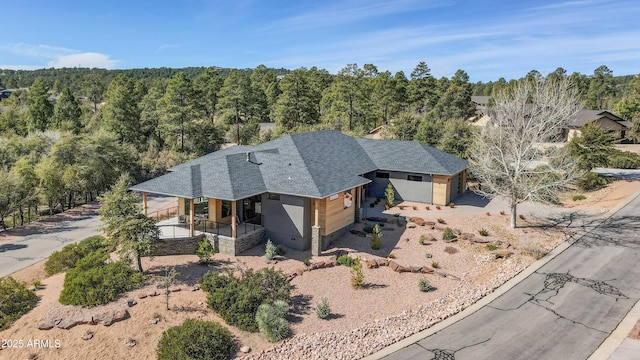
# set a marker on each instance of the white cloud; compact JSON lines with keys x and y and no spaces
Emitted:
{"x":88,"y":60}
{"x":57,"y":57}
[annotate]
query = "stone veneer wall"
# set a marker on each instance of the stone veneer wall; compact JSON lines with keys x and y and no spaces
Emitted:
{"x":229,"y":246}
{"x":180,"y":246}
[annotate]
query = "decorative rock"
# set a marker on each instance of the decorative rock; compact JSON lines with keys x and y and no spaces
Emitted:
{"x":68,"y":323}
{"x":411,"y":226}
{"x":329,"y":264}
{"x":467,"y":236}
{"x":300,"y":271}
{"x":245,"y":349}
{"x":195,"y":288}
{"x":200,"y":303}
{"x":402,"y":269}
{"x":418,"y":221}
{"x":154,"y":321}
{"x":131,"y":302}
{"x":426,"y":270}
{"x":175,"y":289}
{"x":415,"y":269}
{"x":142,"y":296}
{"x":393,"y":265}
{"x":47,"y":325}
{"x":481,"y":240}
{"x":87,"y":335}
{"x":130,"y":342}
{"x":382,"y":262}
{"x":503,"y":254}
{"x":111,"y":317}
{"x":155,"y":293}
{"x":430,"y":224}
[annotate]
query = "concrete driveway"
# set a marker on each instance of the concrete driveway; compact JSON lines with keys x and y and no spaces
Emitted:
{"x":564,"y":310}
{"x":35,"y":242}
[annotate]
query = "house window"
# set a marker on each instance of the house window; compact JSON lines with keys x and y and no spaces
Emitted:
{"x":382,"y":175}
{"x":414,"y":177}
{"x":226,"y":208}
{"x":275,"y":197}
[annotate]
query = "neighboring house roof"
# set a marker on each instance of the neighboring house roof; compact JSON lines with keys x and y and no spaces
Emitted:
{"x":314,"y":164}
{"x":585,"y":116}
{"x":480,"y":100}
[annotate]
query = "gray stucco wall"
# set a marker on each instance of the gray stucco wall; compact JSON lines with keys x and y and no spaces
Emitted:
{"x":405,"y":189}
{"x":287,"y":221}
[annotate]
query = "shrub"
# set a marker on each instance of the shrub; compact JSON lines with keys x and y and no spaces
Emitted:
{"x":428,"y":256}
{"x":376,"y":235}
{"x":624,"y":160}
{"x":205,"y":251}
{"x":93,"y":284}
{"x":236,"y":300}
{"x":196,"y":339}
{"x":272,"y":322}
{"x":390,"y":195}
{"x":452,"y":205}
{"x":483,"y":232}
{"x":307,"y":261}
{"x":450,"y":250}
{"x":323,"y":310}
{"x":391,"y":256}
{"x":437,"y":207}
{"x":441,"y":221}
{"x":435,"y":265}
{"x":425,"y":285}
{"x":37,"y":284}
{"x":491,"y":247}
{"x":447,"y":234}
{"x":591,"y":181}
{"x":423,"y":240}
{"x":68,"y":256}
{"x":270,"y":251}
{"x":357,"y":277}
{"x":578,"y":197}
{"x":15,"y":300}
{"x":346,"y":260}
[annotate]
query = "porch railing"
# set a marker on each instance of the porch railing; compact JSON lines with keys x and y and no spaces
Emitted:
{"x":181,"y":229}
{"x":164,"y":214}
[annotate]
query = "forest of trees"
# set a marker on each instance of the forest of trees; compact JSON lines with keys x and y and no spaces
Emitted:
{"x":67,"y":134}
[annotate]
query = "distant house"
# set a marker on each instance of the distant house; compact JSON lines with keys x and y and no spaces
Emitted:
{"x":5,"y":93}
{"x":603,"y":118}
{"x":303,"y":190}
{"x":481,"y":103}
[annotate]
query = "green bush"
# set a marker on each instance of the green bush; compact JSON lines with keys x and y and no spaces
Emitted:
{"x":578,"y":197}
{"x":346,"y":260}
{"x":94,"y":283}
{"x":357,"y":277}
{"x":68,"y":256}
{"x":196,"y":339}
{"x":591,"y":181}
{"x":237,"y":300}
{"x":491,"y":247}
{"x":624,"y":160}
{"x":447,"y":234}
{"x":424,"y":285}
{"x":272,"y":322}
{"x":205,"y":251}
{"x":323,"y":310}
{"x":376,"y":235}
{"x":483,"y":232}
{"x":15,"y":300}
{"x":390,"y":195}
{"x":270,"y":251}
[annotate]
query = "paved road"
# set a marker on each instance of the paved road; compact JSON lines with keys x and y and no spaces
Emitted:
{"x":38,"y":240}
{"x":564,"y":310}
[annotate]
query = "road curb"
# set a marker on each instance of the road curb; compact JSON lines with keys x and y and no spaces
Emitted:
{"x":500,"y":291}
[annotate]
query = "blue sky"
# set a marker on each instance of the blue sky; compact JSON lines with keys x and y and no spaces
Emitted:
{"x":488,"y":39}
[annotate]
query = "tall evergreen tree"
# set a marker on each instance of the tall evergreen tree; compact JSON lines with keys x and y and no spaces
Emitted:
{"x":176,"y":108}
{"x":67,"y":112}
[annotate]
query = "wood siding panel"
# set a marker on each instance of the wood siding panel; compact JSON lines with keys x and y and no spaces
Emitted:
{"x":333,"y":215}
{"x":441,"y":192}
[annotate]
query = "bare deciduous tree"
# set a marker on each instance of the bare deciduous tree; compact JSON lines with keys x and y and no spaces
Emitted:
{"x":507,"y":157}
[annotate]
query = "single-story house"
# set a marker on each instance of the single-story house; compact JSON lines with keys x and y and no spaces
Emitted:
{"x":303,"y":190}
{"x":603,"y":118}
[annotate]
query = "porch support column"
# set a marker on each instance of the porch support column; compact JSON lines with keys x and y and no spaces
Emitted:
{"x":192,"y":224}
{"x":316,"y":239}
{"x":234,"y":217}
{"x":144,"y":203}
{"x":358,"y":209}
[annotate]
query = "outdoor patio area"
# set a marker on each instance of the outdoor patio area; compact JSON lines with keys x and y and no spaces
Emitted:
{"x":173,"y":228}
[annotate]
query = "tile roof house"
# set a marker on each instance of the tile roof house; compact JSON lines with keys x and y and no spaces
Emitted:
{"x":303,"y":190}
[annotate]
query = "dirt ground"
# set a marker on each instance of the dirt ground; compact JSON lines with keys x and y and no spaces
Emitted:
{"x":386,"y":292}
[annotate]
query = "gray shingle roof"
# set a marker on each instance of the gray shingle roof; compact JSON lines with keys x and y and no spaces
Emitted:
{"x":316,"y":164}
{"x":584,"y":116}
{"x":409,"y":156}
